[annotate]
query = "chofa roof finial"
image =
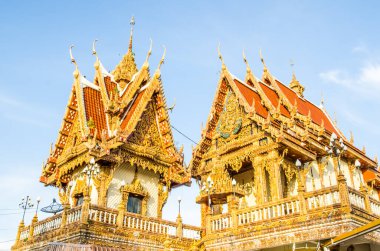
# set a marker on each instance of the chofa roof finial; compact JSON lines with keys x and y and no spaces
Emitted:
{"x":162,"y":61}
{"x":262,"y":60}
{"x":221,"y":58}
{"x":149,"y":53}
{"x":76,"y":72}
{"x":246,"y":62}
{"x":94,"y":49}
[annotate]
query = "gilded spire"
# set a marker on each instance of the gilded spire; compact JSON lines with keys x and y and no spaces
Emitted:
{"x":132,"y":23}
{"x":295,"y":85}
{"x":79,"y":95}
{"x":127,"y":67}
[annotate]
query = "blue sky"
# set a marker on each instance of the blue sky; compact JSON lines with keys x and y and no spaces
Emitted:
{"x":334,"y":45}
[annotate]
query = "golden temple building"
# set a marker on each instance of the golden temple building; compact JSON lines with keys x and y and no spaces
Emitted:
{"x":275,"y":172}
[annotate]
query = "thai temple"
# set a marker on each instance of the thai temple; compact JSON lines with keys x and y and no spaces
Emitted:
{"x":275,"y":172}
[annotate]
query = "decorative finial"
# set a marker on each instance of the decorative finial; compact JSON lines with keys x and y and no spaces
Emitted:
{"x":246,"y":62}
{"x":221,"y":57}
{"x":322,"y":105}
{"x":132,"y":23}
{"x":162,"y":61}
{"x":76,"y":72}
{"x":262,"y":60}
{"x":149,"y":52}
{"x":291,"y":62}
{"x":93,"y":48}
{"x":71,"y":55}
{"x":351,"y":138}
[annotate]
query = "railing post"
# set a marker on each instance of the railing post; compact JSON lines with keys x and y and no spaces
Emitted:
{"x":301,"y":198}
{"x":20,"y":228}
{"x":234,"y":207}
{"x":31,"y":229}
{"x":367,"y":202}
{"x":85,"y":208}
{"x":64,"y":215}
{"x":120,"y":215}
{"x":208,"y":223}
{"x":343,"y":193}
{"x":179,"y":231}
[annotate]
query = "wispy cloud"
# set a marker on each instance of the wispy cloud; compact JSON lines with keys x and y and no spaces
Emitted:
{"x":366,"y":81}
{"x":15,"y":110}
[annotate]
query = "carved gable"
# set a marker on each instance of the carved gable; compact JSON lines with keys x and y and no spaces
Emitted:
{"x":147,"y":133}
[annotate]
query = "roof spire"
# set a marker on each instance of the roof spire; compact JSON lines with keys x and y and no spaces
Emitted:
{"x":295,"y":85}
{"x":266,"y":74}
{"x":221,"y":58}
{"x":162,"y":61}
{"x":132,"y":23}
{"x":76,"y":71}
{"x":94,"y":50}
{"x":246,"y":63}
{"x":146,"y":63}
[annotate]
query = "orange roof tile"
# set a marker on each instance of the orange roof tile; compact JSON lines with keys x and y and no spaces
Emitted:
{"x":95,"y":109}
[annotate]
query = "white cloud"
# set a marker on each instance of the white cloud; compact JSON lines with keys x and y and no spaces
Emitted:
{"x":366,"y":81}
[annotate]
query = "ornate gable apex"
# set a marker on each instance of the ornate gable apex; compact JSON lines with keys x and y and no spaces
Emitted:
{"x":125,"y":70}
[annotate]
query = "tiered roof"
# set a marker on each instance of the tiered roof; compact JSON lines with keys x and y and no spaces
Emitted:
{"x":282,"y":111}
{"x":102,"y":115}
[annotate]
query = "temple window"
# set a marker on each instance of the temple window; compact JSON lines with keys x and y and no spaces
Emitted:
{"x":79,"y":200}
{"x":134,"y":204}
{"x":267,"y":191}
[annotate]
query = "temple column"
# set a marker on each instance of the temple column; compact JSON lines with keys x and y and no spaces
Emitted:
{"x":20,"y":228}
{"x":31,"y":229}
{"x":179,"y":231}
{"x":121,"y":209}
{"x":85,"y":206}
{"x":367,"y":202}
{"x":343,"y":193}
{"x":64,"y":215}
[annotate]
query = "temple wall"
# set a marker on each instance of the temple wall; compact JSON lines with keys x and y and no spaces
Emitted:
{"x":148,"y":179}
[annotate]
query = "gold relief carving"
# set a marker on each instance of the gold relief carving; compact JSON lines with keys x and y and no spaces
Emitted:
{"x":230,"y":121}
{"x":102,"y":182}
{"x":63,"y":195}
{"x":162,"y":198}
{"x":143,"y":162}
{"x":137,"y":189}
{"x":146,"y":133}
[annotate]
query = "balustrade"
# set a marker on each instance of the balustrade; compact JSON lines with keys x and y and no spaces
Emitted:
{"x":220,"y":222}
{"x":24,"y":233}
{"x":47,"y":224}
{"x":322,"y":198}
{"x":73,"y":215}
{"x":266,"y":212}
{"x":103,"y":215}
{"x":375,"y":206}
{"x":356,"y":198}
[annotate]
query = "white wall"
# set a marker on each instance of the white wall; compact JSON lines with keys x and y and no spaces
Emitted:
{"x":148,"y":179}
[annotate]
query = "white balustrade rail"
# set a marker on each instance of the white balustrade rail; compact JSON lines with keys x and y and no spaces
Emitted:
{"x":24,"y":233}
{"x":323,"y":198}
{"x":191,"y":233}
{"x":281,"y":208}
{"x":221,"y":222}
{"x":102,"y":215}
{"x":375,"y":206}
{"x":149,"y":224}
{"x":356,"y":199}
{"x":73,"y":215}
{"x":47,"y":225}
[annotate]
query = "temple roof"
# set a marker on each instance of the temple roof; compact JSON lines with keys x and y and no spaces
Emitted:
{"x":103,"y":115}
{"x":282,"y":110}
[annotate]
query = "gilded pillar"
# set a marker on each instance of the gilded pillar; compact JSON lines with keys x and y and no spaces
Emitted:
{"x":367,"y":202}
{"x":179,"y":231}
{"x":144,"y":206}
{"x":301,"y":198}
{"x":20,"y":228}
{"x":64,"y":215}
{"x":31,"y":229}
{"x":121,"y":208}
{"x":85,"y":207}
{"x":162,"y":198}
{"x":204,"y":211}
{"x":343,"y":193}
